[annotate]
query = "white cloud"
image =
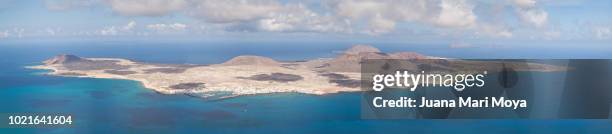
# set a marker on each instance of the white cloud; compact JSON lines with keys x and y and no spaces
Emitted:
{"x":379,"y":25}
{"x":50,"y":31}
{"x":146,"y":7}
{"x":129,"y":26}
{"x":14,"y":32}
{"x":505,"y":33}
{"x":298,"y":18}
{"x":602,"y":32}
{"x":19,"y":32}
{"x":409,"y":10}
{"x":536,"y":17}
{"x":529,"y":13}
{"x":275,"y":25}
{"x":383,"y":15}
{"x":4,"y":34}
{"x":549,"y":35}
{"x":229,"y":11}
{"x":108,"y":31}
{"x":266,"y":15}
{"x":83,"y":33}
{"x":456,"y":13}
{"x":524,"y":3}
{"x":118,"y":30}
{"x":167,"y":27}
{"x":373,"y":17}
{"x":491,"y":30}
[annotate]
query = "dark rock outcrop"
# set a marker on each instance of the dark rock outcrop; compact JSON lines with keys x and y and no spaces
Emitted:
{"x":342,"y":80}
{"x":188,"y":86}
{"x":71,"y":74}
{"x":276,"y":77}
{"x":334,"y":76}
{"x":120,"y":72}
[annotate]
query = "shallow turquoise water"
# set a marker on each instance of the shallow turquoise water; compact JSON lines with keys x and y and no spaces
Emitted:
{"x":121,"y":106}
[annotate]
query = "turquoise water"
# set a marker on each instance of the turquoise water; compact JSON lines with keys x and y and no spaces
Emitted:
{"x":121,"y":106}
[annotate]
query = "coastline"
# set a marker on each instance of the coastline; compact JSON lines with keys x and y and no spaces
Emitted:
{"x":329,"y":88}
{"x":54,"y":72}
{"x":250,"y":75}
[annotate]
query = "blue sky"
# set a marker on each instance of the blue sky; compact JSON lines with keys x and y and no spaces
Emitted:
{"x":456,"y":22}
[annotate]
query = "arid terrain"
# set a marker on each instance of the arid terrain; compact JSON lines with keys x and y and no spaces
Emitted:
{"x":243,"y":75}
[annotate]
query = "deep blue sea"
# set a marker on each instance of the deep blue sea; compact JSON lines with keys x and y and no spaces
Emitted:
{"x":121,"y":106}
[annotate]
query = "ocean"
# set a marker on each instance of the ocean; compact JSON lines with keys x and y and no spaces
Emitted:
{"x":123,"y":106}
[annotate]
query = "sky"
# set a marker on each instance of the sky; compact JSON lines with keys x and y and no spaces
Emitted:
{"x":456,"y":22}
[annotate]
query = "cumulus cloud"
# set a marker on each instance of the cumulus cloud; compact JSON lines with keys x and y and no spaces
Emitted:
{"x":456,"y":13}
{"x":129,"y":26}
{"x":50,"y":31}
{"x":118,"y":30}
{"x":15,"y":32}
{"x":374,"y":17}
{"x":380,"y":25}
{"x":108,"y":31}
{"x":525,"y":3}
{"x":536,"y":17}
{"x":549,"y":35}
{"x":492,"y":30}
{"x":146,"y":7}
{"x":602,"y":32}
{"x":276,"y":16}
{"x":504,"y":33}
{"x":175,"y":27}
{"x":18,"y":32}
{"x":265,"y":15}
{"x":393,"y":10}
{"x":4,"y":34}
{"x":228,"y":11}
{"x":296,"y":17}
{"x":529,"y":13}
{"x":383,"y":15}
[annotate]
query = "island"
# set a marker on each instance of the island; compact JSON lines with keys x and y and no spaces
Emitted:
{"x":244,"y":75}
